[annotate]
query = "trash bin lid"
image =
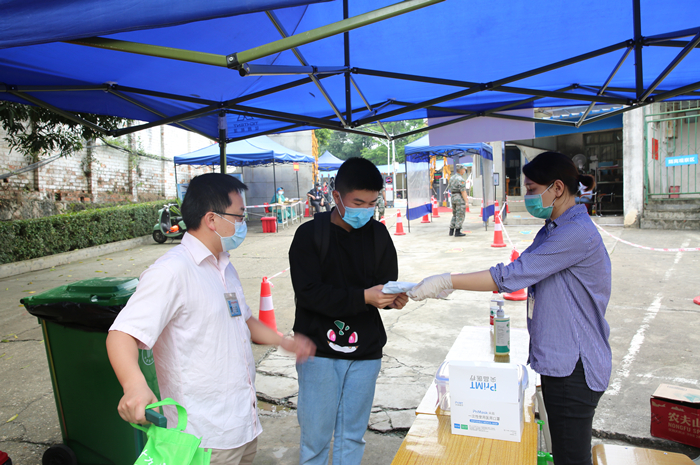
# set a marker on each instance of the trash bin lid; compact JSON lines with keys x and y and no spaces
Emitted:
{"x":101,"y":291}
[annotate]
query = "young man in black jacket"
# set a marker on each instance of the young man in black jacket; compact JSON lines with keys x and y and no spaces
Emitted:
{"x":339,"y":264}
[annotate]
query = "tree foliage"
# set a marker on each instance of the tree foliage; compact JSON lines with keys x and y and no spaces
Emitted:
{"x":345,"y":145}
{"x":37,"y":132}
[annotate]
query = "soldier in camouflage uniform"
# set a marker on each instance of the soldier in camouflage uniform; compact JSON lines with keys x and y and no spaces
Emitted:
{"x":458,"y":187}
{"x":381,"y":204}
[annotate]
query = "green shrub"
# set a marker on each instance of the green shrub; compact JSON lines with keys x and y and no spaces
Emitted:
{"x":27,"y":239}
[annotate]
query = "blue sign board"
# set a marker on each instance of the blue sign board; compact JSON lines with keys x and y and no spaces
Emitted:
{"x":682,"y":160}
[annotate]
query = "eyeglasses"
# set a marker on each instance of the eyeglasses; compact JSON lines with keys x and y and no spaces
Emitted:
{"x":243,"y":217}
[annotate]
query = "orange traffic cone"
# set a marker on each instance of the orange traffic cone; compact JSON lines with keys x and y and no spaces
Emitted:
{"x":382,"y":221}
{"x":425,"y":219}
{"x":306,"y":210}
{"x":435,"y":208}
{"x":467,"y":210}
{"x":399,"y":225}
{"x":522,"y":293}
{"x":267,"y":309}
{"x":697,"y":300}
{"x":497,"y":229}
{"x":507,"y":205}
{"x":481,"y":213}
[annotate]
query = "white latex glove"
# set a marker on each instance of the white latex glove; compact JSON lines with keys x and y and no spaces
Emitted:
{"x":438,"y":286}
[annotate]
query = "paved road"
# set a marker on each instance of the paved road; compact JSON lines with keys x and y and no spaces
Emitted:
{"x":655,"y":334}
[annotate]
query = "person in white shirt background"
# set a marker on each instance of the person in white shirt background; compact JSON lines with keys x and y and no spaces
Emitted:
{"x":189,"y":308}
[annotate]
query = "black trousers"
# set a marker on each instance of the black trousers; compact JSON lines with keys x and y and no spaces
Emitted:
{"x":570,"y":405}
{"x":317,"y":205}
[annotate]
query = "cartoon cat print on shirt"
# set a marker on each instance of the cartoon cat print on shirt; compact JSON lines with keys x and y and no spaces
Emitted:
{"x":334,"y":339}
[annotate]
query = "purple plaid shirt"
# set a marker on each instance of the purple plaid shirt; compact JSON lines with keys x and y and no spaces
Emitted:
{"x":568,"y":275}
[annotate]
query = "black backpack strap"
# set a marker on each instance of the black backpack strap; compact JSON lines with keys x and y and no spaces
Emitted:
{"x":322,"y":232}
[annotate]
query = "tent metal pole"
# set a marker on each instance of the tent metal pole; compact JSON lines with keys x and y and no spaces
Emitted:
{"x":153,"y":50}
{"x":405,"y":164}
{"x":288,"y":117}
{"x":657,"y":91}
{"x":531,"y":120}
{"x":346,"y":53}
{"x":274,"y":178}
{"x":155,"y":112}
{"x":417,"y":106}
{"x":562,"y":95}
{"x":676,"y":92}
{"x":369,"y":107}
{"x":414,"y":77}
{"x":656,"y":39}
{"x":605,"y":85}
{"x":670,"y":43}
{"x":683,"y":53}
{"x":65,"y":114}
{"x":236,"y":59}
{"x":283,"y":32}
{"x":6,"y":88}
{"x":222,"y":142}
{"x":177,"y":191}
{"x":562,"y":63}
{"x":297,"y":125}
{"x":596,"y":89}
{"x":262,"y":93}
{"x":638,"y":43}
{"x":496,"y":84}
{"x":248,"y":69}
{"x":173,"y":119}
{"x":612,"y":113}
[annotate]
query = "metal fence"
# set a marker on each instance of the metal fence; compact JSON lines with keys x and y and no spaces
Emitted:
{"x":671,"y":152}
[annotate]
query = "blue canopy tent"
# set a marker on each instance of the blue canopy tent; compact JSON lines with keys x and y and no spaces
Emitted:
{"x":335,"y":64}
{"x":256,"y":151}
{"x":420,"y":151}
{"x":328,"y":162}
{"x":259,"y":150}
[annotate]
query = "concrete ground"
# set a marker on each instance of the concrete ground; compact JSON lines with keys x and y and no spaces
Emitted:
{"x":655,"y":334}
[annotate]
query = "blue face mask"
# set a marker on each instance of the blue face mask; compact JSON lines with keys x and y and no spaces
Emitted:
{"x":357,"y":217}
{"x":534,"y":205}
{"x":231,"y":242}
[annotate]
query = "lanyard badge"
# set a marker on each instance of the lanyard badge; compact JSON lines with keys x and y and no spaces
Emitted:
{"x":232,"y":301}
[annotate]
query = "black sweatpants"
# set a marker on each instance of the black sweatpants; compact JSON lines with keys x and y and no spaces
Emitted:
{"x":570,"y":405}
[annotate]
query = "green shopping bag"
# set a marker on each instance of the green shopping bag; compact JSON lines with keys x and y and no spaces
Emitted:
{"x":171,"y":446}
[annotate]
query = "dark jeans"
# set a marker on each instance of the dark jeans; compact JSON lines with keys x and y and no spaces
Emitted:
{"x":570,"y":405}
{"x":317,"y":205}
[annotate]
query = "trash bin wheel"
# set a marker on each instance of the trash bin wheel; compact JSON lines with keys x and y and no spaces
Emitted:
{"x":60,"y":454}
{"x":159,"y":237}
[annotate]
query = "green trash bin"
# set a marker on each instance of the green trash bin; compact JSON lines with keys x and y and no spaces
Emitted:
{"x":74,"y":321}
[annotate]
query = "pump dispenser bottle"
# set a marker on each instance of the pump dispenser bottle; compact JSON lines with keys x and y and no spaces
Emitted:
{"x":501,"y":331}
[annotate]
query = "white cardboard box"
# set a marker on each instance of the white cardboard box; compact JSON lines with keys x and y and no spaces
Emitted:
{"x":487,"y":400}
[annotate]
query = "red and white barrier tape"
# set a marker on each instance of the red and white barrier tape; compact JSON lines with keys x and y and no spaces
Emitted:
{"x":503,"y":226}
{"x":277,"y":274}
{"x":655,"y":249}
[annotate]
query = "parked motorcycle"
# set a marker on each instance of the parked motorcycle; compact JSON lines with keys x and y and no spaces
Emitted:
{"x":170,"y":224}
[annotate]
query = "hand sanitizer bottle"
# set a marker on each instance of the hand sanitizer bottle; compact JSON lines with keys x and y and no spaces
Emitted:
{"x":502,"y":331}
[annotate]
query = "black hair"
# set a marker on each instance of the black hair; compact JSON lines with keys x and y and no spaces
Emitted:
{"x":358,"y":174}
{"x":208,"y":193}
{"x":547,"y":167}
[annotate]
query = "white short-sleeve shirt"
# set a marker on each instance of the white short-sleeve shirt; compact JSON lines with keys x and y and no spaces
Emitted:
{"x":203,"y":355}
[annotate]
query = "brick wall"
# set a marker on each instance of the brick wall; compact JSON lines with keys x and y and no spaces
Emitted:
{"x":102,"y":174}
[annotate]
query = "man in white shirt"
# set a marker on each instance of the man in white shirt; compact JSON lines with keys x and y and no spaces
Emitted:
{"x":190,"y":309}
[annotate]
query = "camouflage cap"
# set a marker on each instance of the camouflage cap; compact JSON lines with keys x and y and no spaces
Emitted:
{"x":459,"y":166}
